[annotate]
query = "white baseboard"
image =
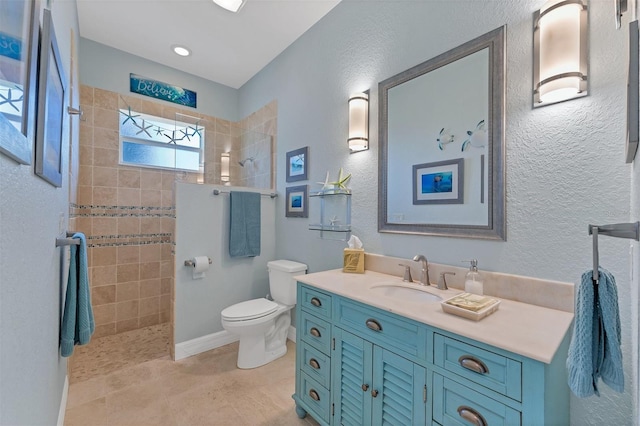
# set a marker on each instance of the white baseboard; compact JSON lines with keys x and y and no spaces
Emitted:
{"x":203,"y":344}
{"x":63,"y":401}
{"x":291,"y":335}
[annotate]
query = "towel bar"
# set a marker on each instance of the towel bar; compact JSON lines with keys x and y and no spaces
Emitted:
{"x":218,"y":192}
{"x":619,"y":230}
{"x":60,"y":242}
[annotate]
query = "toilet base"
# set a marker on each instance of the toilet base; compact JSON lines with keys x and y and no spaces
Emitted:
{"x":247,"y":358}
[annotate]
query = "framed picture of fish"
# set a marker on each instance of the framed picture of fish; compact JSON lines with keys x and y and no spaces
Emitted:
{"x":298,"y":164}
{"x":440,"y":182}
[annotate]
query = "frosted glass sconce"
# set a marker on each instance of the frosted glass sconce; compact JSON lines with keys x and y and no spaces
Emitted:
{"x":559,"y":52}
{"x":230,"y":5}
{"x":224,"y":167}
{"x":358,"y":122}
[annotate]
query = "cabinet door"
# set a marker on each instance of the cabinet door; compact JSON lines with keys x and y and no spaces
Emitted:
{"x":399,"y":388}
{"x":352,"y":380}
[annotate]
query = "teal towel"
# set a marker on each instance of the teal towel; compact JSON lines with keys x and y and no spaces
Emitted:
{"x":595,"y":352}
{"x":244,"y":224}
{"x":77,"y":320}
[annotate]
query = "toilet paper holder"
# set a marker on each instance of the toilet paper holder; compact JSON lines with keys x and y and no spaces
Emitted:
{"x":191,"y":263}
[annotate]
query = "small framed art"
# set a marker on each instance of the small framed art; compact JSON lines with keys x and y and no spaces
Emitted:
{"x":297,"y":200}
{"x":440,"y":182}
{"x":298,"y":164}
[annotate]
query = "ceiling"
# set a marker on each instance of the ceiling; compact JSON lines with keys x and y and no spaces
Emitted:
{"x":228,"y":48}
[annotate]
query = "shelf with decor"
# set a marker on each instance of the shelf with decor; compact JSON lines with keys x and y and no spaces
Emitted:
{"x":330,"y":213}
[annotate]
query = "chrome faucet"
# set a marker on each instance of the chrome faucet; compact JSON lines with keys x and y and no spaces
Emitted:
{"x":424,"y":272}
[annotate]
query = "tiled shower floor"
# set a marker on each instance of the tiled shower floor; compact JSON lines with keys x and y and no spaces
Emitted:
{"x":129,"y":379}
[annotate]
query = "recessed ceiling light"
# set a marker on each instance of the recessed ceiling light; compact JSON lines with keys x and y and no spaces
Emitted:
{"x":180,"y":50}
{"x":231,"y":5}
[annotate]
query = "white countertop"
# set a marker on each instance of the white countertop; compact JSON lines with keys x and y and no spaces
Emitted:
{"x":528,"y":330}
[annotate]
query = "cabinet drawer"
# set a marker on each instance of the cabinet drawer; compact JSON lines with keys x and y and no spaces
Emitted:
{"x":316,"y":332}
{"x":455,"y":404}
{"x":316,"y":397}
{"x":316,"y":364}
{"x":391,"y":331}
{"x":493,"y":371}
{"x":315,"y":301}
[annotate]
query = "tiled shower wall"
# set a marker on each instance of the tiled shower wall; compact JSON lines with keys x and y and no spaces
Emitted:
{"x":128,"y":212}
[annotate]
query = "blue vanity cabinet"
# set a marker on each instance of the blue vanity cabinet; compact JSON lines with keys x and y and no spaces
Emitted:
{"x":360,"y":365}
{"x":374,"y":386}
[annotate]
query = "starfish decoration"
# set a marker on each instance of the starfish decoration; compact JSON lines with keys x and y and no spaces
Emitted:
{"x":196,"y":130}
{"x":143,"y":128}
{"x":334,"y":220}
{"x":326,"y":183}
{"x":172,"y":138}
{"x":159,"y":131}
{"x":9,"y":99}
{"x":186,"y":134}
{"x":130,"y":116}
{"x":341,"y":182}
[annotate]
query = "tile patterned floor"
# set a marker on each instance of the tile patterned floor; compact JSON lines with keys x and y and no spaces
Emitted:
{"x":206,"y":389}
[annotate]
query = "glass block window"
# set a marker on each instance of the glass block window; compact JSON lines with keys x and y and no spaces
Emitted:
{"x":150,"y":141}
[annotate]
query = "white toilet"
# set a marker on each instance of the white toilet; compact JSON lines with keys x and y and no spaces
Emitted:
{"x":263,"y":324}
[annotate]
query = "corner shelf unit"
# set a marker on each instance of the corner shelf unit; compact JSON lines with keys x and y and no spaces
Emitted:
{"x":330,"y":213}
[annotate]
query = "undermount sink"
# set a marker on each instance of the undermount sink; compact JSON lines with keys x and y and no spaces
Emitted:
{"x":405,"y":293}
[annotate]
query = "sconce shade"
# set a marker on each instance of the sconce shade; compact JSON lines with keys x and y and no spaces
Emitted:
{"x":358,"y":122}
{"x":560,"y":52}
{"x":224,"y":167}
{"x":231,"y":5}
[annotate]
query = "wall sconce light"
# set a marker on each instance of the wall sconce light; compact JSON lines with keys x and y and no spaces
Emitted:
{"x":224,"y":167}
{"x":559,"y":52}
{"x":230,"y":5}
{"x":358,"y":122}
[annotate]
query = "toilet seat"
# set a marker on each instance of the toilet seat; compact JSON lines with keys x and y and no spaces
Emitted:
{"x":249,"y":310}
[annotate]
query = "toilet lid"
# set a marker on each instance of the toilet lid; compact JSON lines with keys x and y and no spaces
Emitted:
{"x":250,"y":309}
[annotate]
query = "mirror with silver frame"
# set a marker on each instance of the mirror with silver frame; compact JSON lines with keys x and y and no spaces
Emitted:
{"x":442,"y":150}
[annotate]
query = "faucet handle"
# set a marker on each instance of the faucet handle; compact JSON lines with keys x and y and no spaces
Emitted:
{"x":442,"y":280}
{"x":407,"y":273}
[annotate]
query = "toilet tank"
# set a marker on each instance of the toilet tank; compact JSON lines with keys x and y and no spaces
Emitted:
{"x":281,"y":282}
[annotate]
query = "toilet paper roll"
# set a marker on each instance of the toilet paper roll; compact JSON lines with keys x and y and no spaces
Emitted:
{"x":200,"y":264}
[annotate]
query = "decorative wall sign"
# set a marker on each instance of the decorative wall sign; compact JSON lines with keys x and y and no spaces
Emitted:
{"x":51,"y":90}
{"x":297,"y":164}
{"x":18,"y":75}
{"x":163,"y":91}
{"x":439,"y":182}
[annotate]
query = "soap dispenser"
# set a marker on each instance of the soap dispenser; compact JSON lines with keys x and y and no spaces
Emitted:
{"x":473,"y":282}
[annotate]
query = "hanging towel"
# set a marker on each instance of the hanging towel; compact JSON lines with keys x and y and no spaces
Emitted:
{"x":595,"y":352}
{"x":77,"y":320}
{"x":244,"y":224}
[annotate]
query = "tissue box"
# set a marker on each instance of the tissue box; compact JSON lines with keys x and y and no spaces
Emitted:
{"x":353,"y":261}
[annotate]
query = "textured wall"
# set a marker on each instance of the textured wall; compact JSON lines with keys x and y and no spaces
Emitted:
{"x":565,"y":164}
{"x":31,"y":370}
{"x":108,"y":68}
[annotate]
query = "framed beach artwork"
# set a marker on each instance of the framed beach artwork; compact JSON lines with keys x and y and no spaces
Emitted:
{"x":19,"y":27}
{"x":440,"y":182}
{"x":51,"y":112}
{"x":298,"y":164}
{"x":297,"y":200}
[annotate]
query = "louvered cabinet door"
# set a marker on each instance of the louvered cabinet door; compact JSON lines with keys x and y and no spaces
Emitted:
{"x":352,"y":361}
{"x":400,"y":390}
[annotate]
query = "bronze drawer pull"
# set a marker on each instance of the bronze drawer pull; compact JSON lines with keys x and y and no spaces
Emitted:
{"x":316,"y":302}
{"x":374,"y":393}
{"x":314,"y":395}
{"x":373,"y":324}
{"x":471,"y":415}
{"x":474,"y":364}
{"x":314,"y":363}
{"x":365,"y":387}
{"x":314,"y":332}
